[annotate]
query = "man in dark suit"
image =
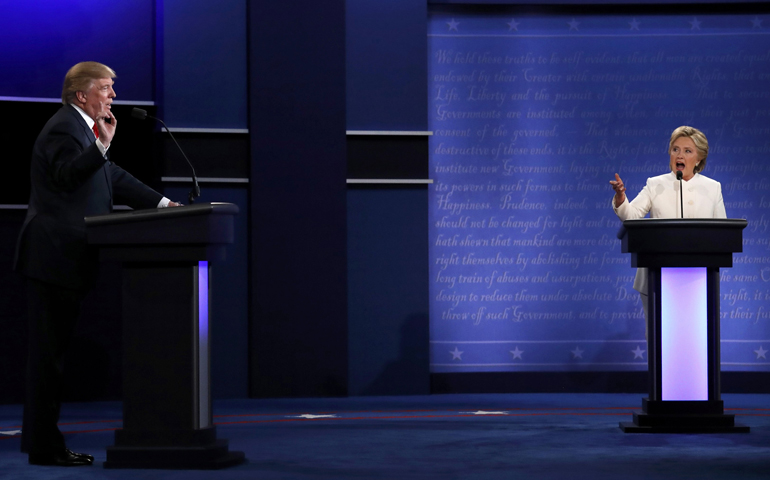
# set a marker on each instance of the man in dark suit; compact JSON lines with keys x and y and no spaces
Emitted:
{"x":72,"y":177}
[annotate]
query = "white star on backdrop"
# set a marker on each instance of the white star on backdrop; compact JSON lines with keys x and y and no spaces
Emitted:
{"x":513,"y":25}
{"x":638,"y":353}
{"x":10,"y":432}
{"x":634,"y":24}
{"x":761,"y":352}
{"x":456,"y":354}
{"x":310,"y":415}
{"x":577,"y":353}
{"x":482,"y":412}
{"x":573,"y":24}
{"x":517,"y":353}
{"x":453,"y":25}
{"x":756,"y":23}
{"x":695,"y":24}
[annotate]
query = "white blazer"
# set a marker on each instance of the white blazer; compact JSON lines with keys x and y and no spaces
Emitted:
{"x":702,"y":198}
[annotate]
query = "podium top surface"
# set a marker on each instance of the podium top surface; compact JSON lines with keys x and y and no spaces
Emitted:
{"x":676,"y":242}
{"x":212,"y":208}
{"x":165,"y":230}
{"x":717,"y":223}
{"x":681,"y":224}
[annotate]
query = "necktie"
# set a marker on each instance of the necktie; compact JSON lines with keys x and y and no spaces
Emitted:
{"x":96,"y":131}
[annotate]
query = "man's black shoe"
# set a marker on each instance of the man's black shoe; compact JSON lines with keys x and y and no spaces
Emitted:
{"x":64,"y":458}
{"x":88,"y":457}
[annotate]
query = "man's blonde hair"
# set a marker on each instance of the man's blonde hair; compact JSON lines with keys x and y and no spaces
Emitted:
{"x":80,"y":77}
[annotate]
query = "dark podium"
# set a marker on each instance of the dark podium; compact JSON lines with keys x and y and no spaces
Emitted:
{"x":683,"y":258}
{"x":167,"y":417}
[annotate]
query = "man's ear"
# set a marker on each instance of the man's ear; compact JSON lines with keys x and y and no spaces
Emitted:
{"x":81,"y":96}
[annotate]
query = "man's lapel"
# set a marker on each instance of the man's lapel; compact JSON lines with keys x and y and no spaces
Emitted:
{"x":87,"y":133}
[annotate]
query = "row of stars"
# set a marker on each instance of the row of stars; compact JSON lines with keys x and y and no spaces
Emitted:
{"x":573,"y":24}
{"x":577,"y":353}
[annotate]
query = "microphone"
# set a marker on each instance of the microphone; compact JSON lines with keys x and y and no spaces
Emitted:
{"x":681,"y":201}
{"x":141,"y":114}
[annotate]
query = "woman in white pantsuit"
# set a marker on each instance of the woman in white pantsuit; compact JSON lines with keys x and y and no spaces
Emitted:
{"x":701,"y":196}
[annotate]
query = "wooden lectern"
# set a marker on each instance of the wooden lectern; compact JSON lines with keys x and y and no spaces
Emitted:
{"x":683,"y":257}
{"x":167,"y":417}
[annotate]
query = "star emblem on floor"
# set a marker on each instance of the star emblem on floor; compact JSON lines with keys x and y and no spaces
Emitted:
{"x":311,"y":416}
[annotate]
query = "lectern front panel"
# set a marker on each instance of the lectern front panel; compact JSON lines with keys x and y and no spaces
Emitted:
{"x":165,"y":252}
{"x":684,"y":334}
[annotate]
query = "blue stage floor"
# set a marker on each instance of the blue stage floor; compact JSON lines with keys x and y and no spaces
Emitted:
{"x":524,"y":436}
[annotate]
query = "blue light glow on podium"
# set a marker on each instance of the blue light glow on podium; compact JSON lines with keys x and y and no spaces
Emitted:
{"x":684,"y":334}
{"x":204,"y":403}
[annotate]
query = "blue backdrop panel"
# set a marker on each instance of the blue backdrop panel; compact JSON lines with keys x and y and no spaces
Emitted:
{"x":387,"y":309}
{"x":386,"y":44}
{"x":42,"y":39}
{"x":204,"y":63}
{"x":532,"y":116}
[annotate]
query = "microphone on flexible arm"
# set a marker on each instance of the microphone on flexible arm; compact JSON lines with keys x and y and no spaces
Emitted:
{"x":141,"y":114}
{"x":681,"y":198}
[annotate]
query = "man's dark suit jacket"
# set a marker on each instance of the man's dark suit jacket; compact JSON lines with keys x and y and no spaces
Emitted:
{"x":70,"y":180}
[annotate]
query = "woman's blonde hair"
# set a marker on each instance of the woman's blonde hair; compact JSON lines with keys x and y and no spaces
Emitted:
{"x":698,"y":138}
